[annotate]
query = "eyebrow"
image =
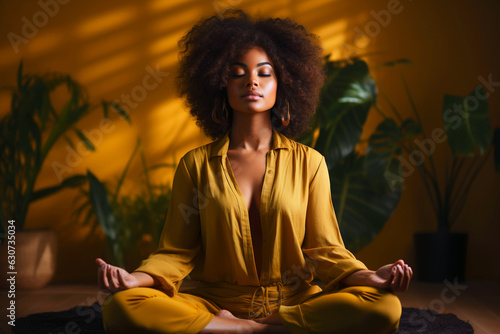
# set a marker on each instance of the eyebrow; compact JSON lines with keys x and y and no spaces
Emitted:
{"x":258,"y":65}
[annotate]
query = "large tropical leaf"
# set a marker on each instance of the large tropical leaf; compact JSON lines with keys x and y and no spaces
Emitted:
{"x":361,"y":211}
{"x":346,"y":99}
{"x":382,"y":163}
{"x":467,"y":123}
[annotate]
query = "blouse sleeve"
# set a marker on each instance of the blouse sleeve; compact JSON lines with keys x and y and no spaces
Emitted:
{"x":323,"y":243}
{"x":180,"y":241}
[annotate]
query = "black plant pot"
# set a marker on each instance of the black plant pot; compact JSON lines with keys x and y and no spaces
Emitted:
{"x":440,"y":256}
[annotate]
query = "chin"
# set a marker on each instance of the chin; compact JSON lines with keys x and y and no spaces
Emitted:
{"x":254,"y":112}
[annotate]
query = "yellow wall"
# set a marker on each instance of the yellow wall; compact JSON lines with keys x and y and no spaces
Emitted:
{"x":109,"y":45}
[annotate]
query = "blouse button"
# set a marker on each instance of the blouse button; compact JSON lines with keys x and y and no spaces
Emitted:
{"x":270,"y":171}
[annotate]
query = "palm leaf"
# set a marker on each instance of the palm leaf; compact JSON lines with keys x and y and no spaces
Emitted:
{"x":106,"y":217}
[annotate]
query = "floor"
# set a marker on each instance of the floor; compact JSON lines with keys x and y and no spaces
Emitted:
{"x":475,"y":301}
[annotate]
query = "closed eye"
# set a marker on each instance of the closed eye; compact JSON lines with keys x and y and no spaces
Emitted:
{"x":242,"y":75}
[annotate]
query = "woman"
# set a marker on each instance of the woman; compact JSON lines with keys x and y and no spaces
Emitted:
{"x":251,"y":215}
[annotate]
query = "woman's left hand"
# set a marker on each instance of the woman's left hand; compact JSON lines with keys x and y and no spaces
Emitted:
{"x":395,"y":276}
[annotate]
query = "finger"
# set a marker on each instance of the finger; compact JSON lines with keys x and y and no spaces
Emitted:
{"x":114,"y":279}
{"x":394,"y":274}
{"x":109,"y":277}
{"x":121,"y":280}
{"x":400,"y":262}
{"x":405,"y":280}
{"x":410,"y":275}
{"x":100,"y":272}
{"x":397,"y":278}
{"x":401,"y":270}
{"x":394,"y":280}
{"x":104,"y":277}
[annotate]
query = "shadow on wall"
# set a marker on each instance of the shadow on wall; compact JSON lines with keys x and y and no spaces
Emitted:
{"x":127,"y":51}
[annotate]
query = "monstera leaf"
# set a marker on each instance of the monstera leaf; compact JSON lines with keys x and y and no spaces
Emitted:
{"x":345,"y":102}
{"x":467,"y":123}
{"x":346,"y":99}
{"x":361,"y":210}
{"x":382,"y":163}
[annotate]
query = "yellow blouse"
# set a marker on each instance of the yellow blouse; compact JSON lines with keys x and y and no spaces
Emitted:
{"x":207,"y":230}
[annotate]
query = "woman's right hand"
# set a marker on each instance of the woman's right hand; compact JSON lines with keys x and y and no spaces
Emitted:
{"x":113,"y":279}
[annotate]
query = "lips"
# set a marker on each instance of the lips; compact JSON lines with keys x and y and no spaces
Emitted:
{"x":252,"y":95}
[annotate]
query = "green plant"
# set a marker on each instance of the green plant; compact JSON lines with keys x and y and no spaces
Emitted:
{"x":366,"y":185}
{"x":469,"y":137}
{"x":345,"y":101}
{"x":132,"y":223}
{"x":29,"y":131}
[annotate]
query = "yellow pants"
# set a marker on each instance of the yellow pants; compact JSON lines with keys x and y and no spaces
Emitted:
{"x":358,"y":309}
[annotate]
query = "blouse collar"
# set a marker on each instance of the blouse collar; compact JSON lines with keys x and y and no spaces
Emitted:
{"x":220,"y":146}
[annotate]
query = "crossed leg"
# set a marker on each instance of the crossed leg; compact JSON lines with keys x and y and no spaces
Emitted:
{"x":351,"y":310}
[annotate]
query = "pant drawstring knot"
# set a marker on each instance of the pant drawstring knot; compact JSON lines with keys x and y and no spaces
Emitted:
{"x":265,"y":308}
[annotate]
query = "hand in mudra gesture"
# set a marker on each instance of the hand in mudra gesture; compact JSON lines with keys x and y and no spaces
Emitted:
{"x":395,"y":276}
{"x":113,"y":279}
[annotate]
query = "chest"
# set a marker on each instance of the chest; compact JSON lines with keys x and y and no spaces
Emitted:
{"x":249,"y":171}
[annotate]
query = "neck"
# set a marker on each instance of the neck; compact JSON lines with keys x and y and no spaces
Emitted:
{"x":251,"y":131}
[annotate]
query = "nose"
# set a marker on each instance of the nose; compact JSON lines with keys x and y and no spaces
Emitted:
{"x":253,"y":81}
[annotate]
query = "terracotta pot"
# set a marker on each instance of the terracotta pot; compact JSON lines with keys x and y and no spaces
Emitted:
{"x":35,"y":253}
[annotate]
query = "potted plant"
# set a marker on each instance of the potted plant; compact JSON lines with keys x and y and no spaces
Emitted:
{"x":118,"y":214}
{"x":407,"y":147}
{"x":27,"y":134}
{"x":367,"y":184}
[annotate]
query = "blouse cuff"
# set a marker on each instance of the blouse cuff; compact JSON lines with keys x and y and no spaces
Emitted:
{"x":341,"y":270}
{"x":168,"y":286}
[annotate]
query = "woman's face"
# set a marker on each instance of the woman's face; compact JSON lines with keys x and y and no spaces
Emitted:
{"x":252,"y":83}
